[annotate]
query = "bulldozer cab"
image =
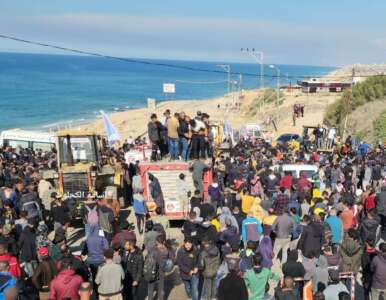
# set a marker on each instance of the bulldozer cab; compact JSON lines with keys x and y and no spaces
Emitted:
{"x":79,"y":150}
{"x":82,"y":169}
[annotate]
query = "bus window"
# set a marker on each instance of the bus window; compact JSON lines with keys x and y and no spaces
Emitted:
{"x":15,"y":144}
{"x":42,"y":146}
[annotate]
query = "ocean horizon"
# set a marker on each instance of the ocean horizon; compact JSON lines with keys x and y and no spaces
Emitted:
{"x":41,"y":91}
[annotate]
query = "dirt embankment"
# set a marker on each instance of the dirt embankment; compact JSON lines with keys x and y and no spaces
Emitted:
{"x":360,"y":121}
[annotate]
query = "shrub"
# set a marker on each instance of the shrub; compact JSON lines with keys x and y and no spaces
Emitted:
{"x":380,"y":128}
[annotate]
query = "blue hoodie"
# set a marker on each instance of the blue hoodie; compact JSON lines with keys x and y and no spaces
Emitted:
{"x":96,"y":245}
{"x":251,"y":229}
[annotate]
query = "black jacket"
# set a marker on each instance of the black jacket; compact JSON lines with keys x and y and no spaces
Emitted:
{"x":292,"y":267}
{"x":311,"y":240}
{"x":190,"y":230}
{"x":27,"y":245}
{"x":381,"y":202}
{"x":132,"y":264}
{"x":232,"y":287}
{"x":187,"y":261}
{"x":208,"y":232}
{"x":60,"y":213}
{"x":368,"y":229}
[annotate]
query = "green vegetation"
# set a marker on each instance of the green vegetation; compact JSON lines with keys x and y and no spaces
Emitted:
{"x":269,"y":96}
{"x":373,"y":88}
{"x":379,"y":126}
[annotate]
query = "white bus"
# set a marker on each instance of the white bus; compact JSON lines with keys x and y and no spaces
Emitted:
{"x":27,"y":139}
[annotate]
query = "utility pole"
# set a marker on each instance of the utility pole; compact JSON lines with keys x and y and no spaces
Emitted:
{"x":258,"y":56}
{"x":277,"y":91}
{"x":348,"y":102}
{"x":227,"y":68}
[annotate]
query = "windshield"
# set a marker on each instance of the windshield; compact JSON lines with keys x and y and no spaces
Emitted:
{"x":82,"y":149}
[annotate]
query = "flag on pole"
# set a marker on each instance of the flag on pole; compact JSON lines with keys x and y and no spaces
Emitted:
{"x":112,"y":134}
{"x":228,"y":131}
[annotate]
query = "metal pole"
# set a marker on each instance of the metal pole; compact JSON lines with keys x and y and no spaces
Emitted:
{"x":229,"y":78}
{"x":278,"y":95}
{"x":261,"y":70}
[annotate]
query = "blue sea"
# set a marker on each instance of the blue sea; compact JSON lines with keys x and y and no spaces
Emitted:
{"x":41,"y":91}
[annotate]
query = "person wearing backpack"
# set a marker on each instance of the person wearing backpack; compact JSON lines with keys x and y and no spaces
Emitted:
{"x":208,"y":264}
{"x":91,"y":217}
{"x":106,"y":219}
{"x":187,"y":261}
{"x":159,"y":260}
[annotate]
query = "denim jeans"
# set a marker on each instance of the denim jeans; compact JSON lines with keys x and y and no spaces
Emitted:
{"x":191,"y":287}
{"x":173,"y":148}
{"x":184,"y":148}
{"x":209,"y":289}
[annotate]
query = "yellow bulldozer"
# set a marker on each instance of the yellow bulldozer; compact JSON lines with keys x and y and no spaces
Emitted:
{"x":84,"y":169}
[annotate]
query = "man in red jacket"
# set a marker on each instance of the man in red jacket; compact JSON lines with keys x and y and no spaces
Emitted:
{"x":14,"y":268}
{"x":66,"y":284}
{"x":286,"y":181}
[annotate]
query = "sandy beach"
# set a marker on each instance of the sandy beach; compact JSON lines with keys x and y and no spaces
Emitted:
{"x":132,"y":123}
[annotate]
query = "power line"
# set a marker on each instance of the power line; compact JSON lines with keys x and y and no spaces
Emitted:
{"x":200,"y":82}
{"x":144,"y":62}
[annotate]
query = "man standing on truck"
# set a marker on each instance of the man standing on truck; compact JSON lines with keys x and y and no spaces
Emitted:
{"x":155,"y":132}
{"x":172,"y":126}
{"x":198,"y":168}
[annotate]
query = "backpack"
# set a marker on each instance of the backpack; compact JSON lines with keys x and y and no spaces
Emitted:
{"x":150,"y":268}
{"x":212,"y":263}
{"x":92,"y":216}
{"x":246,"y":262}
{"x":222,"y":272}
{"x":104,"y":222}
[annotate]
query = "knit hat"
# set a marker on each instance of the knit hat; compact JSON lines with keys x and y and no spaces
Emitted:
{"x":43,"y":251}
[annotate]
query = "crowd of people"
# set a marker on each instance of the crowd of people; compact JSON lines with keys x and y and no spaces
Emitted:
{"x":255,"y":233}
{"x":180,"y":136}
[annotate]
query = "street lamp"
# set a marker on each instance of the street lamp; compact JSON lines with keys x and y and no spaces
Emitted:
{"x":258,"y":56}
{"x":278,"y":90}
{"x":227,"y":68}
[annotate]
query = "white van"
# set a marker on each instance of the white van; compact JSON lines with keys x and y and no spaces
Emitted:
{"x":296,"y":169}
{"x":27,"y":139}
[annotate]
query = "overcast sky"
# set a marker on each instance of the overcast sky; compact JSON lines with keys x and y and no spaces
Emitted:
{"x":322,"y":32}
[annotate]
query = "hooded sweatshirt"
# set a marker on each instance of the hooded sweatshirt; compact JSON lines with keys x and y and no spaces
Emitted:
{"x":226,"y":214}
{"x":65,"y":285}
{"x":96,"y":245}
{"x":292,"y":267}
{"x":321,"y":273}
{"x":368,"y":229}
{"x":378,"y":267}
{"x":351,"y":252}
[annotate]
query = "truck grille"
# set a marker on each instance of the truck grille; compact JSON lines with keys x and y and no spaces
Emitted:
{"x":75,"y":183}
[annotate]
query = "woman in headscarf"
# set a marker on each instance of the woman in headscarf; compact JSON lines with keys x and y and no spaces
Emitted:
{"x":226,"y":214}
{"x":266,"y":251}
